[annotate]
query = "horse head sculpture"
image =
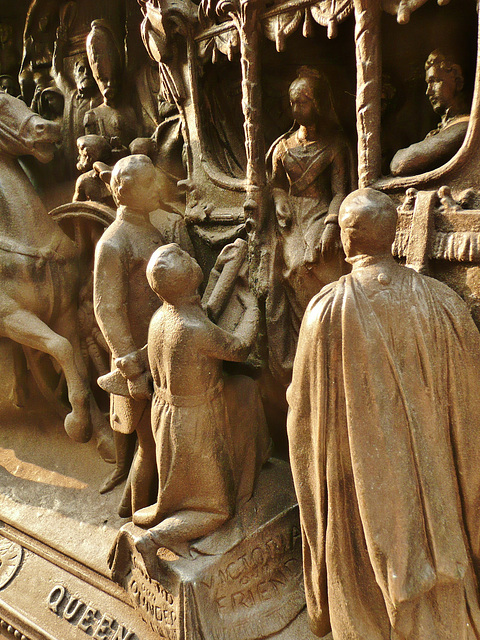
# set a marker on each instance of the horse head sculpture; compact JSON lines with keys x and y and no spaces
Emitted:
{"x":23,"y":132}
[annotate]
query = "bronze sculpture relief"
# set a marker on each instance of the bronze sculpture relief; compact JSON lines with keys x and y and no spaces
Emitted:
{"x":120,"y":291}
{"x":34,"y":244}
{"x":113,"y":119}
{"x":311,"y":174}
{"x":209,"y":453}
{"x":190,"y":360}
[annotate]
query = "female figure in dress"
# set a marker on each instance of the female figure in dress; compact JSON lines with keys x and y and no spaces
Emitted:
{"x":311,"y":175}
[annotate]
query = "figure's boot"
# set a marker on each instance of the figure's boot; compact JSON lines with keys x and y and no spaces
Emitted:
{"x":124,"y":451}
{"x":102,"y":433}
{"x":125,"y":509}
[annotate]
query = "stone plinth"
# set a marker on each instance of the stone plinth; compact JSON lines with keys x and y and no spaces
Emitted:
{"x":244,"y":582}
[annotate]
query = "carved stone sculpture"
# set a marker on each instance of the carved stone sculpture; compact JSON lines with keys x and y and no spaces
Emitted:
{"x":80,"y":97}
{"x":124,"y":305}
{"x":384,"y":407}
{"x":311,"y":174}
{"x":445,"y":82}
{"x":383,"y":426}
{"x":210,"y":431}
{"x":50,"y":104}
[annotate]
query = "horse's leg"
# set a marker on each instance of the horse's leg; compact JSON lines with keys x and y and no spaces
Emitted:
{"x":26,"y":328}
{"x":66,"y":325}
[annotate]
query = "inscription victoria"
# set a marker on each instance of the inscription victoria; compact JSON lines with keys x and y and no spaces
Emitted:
{"x":259,"y":574}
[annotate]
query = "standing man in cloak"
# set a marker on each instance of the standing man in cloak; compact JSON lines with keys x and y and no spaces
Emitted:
{"x":384,"y":431}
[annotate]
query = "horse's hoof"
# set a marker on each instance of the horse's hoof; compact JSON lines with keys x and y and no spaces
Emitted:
{"x":77,"y":429}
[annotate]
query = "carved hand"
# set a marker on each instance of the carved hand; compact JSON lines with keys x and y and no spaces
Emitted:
{"x":140,"y":388}
{"x":330,"y":241}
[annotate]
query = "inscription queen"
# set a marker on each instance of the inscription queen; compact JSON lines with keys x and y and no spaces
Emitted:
{"x":85,"y":617}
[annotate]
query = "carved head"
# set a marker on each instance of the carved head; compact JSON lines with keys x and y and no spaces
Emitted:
{"x":144,"y":146}
{"x":83,"y":76}
{"x":310,"y":96}
{"x":105,"y":59}
{"x":368,"y":220}
{"x":7,"y":85}
{"x":135,"y":184}
{"x":23,"y":132}
{"x":173,"y":273}
{"x":6,"y":34}
{"x":444,"y":81}
{"x":51,"y":103}
{"x":92,"y":149}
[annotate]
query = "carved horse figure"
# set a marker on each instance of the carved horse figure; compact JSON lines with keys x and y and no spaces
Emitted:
{"x":39,"y":277}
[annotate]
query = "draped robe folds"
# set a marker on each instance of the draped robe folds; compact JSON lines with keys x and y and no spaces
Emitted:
{"x":384,"y":431}
{"x":297,"y":271}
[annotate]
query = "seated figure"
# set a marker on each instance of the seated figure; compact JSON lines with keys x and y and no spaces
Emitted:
{"x":384,"y":426}
{"x":209,"y":429}
{"x":444,"y":90}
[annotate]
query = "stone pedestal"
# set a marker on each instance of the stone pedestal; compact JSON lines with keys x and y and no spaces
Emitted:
{"x":45,"y":595}
{"x":244,"y":582}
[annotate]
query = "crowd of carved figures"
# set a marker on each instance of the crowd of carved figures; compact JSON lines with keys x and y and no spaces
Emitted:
{"x":133,"y":281}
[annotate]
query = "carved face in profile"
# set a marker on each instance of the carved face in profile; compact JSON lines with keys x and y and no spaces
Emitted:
{"x":84,"y":80}
{"x":105,"y":61}
{"x":91,"y":149}
{"x":442,"y":87}
{"x":135,"y":184}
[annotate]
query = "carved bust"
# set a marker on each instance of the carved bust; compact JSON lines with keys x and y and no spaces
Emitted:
{"x":445,"y":83}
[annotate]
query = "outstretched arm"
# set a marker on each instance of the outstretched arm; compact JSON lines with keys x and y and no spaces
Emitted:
{"x":235,"y":346}
{"x":429,"y":153}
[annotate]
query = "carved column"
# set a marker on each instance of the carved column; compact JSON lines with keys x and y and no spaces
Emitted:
{"x":369,"y":89}
{"x":246,"y":20}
